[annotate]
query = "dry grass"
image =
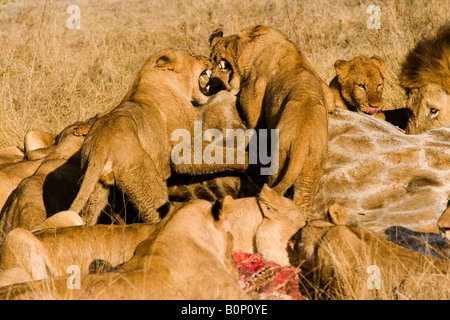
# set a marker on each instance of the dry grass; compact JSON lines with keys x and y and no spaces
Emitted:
{"x":51,"y":76}
{"x":374,"y":270}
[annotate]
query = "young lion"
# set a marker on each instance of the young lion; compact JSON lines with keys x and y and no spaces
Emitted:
{"x":131,"y":145}
{"x":358,"y":84}
{"x":278,"y":89}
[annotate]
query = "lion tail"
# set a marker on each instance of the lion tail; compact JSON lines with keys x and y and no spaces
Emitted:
{"x":95,"y":169}
{"x":290,"y":171}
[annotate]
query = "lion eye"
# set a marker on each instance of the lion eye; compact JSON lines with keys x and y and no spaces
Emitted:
{"x":434,"y":110}
{"x":362,"y":86}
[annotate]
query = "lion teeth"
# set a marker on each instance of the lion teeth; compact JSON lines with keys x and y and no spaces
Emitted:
{"x":208,"y":73}
{"x":222,"y":64}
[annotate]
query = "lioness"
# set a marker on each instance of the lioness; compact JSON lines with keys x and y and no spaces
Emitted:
{"x":131,"y":146}
{"x":341,"y":258}
{"x":10,"y":155}
{"x":188,"y":256}
{"x":278,"y":89}
{"x":52,"y":187}
{"x":358,"y":86}
{"x":261,"y":225}
{"x":50,"y":252}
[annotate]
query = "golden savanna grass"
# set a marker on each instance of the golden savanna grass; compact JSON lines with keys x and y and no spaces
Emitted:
{"x":51,"y":76}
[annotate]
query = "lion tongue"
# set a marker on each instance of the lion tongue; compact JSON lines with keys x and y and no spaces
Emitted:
{"x":372,"y":110}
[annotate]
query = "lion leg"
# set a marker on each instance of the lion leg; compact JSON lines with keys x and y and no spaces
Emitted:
{"x":22,"y":249}
{"x":96,"y":203}
{"x":144,"y":187}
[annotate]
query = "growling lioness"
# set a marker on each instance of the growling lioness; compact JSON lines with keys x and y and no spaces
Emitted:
{"x":278,"y":89}
{"x":131,"y":146}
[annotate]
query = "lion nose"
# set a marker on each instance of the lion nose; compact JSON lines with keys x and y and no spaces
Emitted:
{"x":376,"y":105}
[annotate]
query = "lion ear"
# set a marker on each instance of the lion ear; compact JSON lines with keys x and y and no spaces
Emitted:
{"x":337,"y":214}
{"x":341,"y":67}
{"x":380,"y":63}
{"x":268,"y":200}
{"x":258,"y":31}
{"x":165,"y":63}
{"x":221,"y":210}
{"x":215,"y":36}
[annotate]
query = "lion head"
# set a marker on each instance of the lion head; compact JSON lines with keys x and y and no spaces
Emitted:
{"x":425,"y":76}
{"x":359,"y":83}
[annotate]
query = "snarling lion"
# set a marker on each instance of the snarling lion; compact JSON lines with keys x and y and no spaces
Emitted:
{"x":131,"y":145}
{"x":278,"y":89}
{"x":425,"y":76}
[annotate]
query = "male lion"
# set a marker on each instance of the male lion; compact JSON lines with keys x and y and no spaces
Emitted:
{"x":278,"y":89}
{"x":131,"y":146}
{"x":425,"y":76}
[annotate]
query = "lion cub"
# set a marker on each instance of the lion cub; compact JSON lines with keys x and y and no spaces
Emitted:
{"x":277,"y":89}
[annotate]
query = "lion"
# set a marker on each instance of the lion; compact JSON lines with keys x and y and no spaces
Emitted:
{"x":160,"y":102}
{"x":340,"y":258}
{"x":425,"y":77}
{"x":53,"y":185}
{"x":275,"y":84}
{"x":262,"y":224}
{"x":10,"y":155}
{"x":12,"y":174}
{"x":50,"y":252}
{"x":219,"y":114}
{"x":358,"y":84}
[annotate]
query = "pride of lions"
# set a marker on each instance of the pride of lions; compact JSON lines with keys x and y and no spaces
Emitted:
{"x":63,"y":197}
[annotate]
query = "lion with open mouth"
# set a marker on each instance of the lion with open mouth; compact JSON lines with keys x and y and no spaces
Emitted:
{"x":277,"y":89}
{"x":131,"y":145}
